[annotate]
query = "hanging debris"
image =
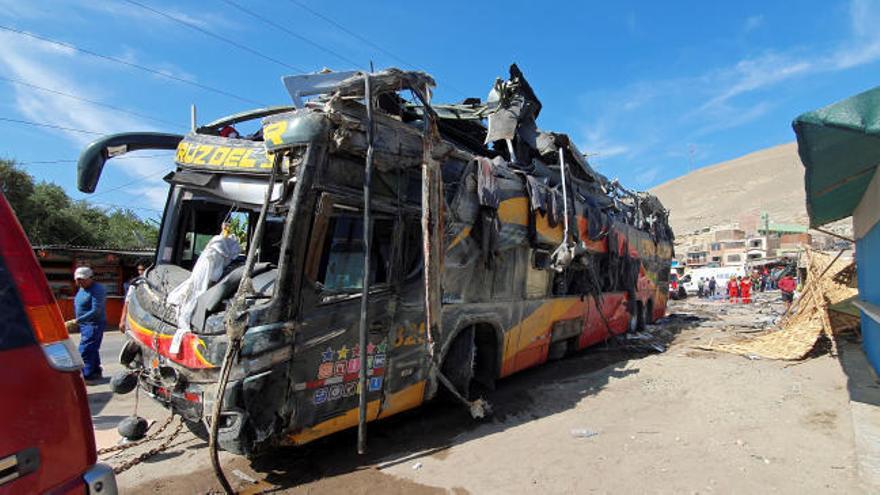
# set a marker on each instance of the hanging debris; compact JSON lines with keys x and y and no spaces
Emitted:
{"x":810,"y":319}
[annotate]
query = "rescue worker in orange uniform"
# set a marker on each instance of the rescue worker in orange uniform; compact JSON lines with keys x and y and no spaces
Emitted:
{"x":732,"y":290}
{"x":745,"y":290}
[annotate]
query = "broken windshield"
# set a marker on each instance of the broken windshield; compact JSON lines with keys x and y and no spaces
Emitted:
{"x":195,"y":217}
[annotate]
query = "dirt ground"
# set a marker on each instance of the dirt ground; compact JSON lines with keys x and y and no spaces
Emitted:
{"x":606,"y":420}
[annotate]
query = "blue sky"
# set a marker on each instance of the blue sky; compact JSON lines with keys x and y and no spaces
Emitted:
{"x":650,"y":90}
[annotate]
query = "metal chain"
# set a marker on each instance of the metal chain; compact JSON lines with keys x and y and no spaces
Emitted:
{"x":151,"y":436}
{"x":125,"y":466}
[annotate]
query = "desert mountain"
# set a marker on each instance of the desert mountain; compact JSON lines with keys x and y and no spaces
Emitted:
{"x":738,"y":191}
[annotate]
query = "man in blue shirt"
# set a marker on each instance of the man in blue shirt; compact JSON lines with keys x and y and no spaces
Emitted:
{"x":92,"y":319}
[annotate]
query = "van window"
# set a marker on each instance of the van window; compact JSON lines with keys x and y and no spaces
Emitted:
{"x":342,"y":260}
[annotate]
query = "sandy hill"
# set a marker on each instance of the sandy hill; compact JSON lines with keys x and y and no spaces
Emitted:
{"x":738,"y":190}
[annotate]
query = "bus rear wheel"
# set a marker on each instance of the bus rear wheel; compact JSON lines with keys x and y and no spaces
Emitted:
{"x":471,"y":361}
{"x":637,"y":318}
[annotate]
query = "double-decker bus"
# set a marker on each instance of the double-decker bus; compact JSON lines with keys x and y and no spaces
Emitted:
{"x":490,"y":247}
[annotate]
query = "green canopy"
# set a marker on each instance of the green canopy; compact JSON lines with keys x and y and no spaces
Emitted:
{"x":839,"y":146}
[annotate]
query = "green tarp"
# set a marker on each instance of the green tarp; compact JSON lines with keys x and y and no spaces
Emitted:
{"x":839,"y":146}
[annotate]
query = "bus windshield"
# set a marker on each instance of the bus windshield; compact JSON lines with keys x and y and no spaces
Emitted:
{"x":194,"y":217}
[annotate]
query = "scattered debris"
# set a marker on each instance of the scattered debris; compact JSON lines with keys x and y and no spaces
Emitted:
{"x":244,"y":476}
{"x":639,"y":342}
{"x":417,"y":466}
{"x":583,"y":433}
{"x":797,"y":334}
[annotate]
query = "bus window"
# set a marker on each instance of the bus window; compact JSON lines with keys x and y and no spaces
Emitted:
{"x":503,"y":276}
{"x":537,"y":277}
{"x":342,"y":261}
{"x":412,"y":250}
{"x":201,"y":222}
{"x":239,"y":226}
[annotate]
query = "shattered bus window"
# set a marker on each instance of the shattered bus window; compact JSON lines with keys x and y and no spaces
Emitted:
{"x":342,"y":264}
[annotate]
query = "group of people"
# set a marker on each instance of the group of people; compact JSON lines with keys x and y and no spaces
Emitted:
{"x":739,"y":289}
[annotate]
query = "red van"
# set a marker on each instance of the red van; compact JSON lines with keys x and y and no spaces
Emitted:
{"x":46,"y":439}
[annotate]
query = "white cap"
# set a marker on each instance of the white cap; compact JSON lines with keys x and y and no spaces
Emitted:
{"x":83,"y":272}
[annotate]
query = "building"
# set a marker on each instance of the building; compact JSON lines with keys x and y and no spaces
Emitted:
{"x":113,"y":268}
{"x":840,"y":150}
{"x":731,"y":245}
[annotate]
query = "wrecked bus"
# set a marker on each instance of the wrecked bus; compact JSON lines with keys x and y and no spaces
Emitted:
{"x":489,"y":249}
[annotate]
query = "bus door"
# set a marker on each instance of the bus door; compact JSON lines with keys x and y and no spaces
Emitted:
{"x":325,"y":376}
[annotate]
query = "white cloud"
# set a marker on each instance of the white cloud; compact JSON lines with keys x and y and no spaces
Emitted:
{"x":155,"y":195}
{"x":752,"y":74}
{"x":734,"y":117}
{"x":753,"y":22}
{"x":131,"y":12}
{"x":659,"y":115}
{"x":130,"y":55}
{"x":17,"y":9}
{"x":864,"y":18}
{"x":597,"y":144}
{"x":51,"y":66}
{"x":647,"y":176}
{"x":116,"y":12}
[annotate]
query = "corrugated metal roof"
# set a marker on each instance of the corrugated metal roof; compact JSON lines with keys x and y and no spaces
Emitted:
{"x":792,"y":228}
{"x":130,"y":251}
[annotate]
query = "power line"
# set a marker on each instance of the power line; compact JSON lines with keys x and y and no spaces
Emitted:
{"x":51,"y":126}
{"x":133,"y":65}
{"x":93,"y":102}
{"x":69,"y":160}
{"x":123,"y":207}
{"x":130,"y":183}
{"x":216,"y":36}
{"x":352,"y":33}
{"x":367,"y":41}
{"x":294,"y":34}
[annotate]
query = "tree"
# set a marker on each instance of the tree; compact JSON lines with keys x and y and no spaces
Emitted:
{"x":50,"y":216}
{"x":18,"y":187}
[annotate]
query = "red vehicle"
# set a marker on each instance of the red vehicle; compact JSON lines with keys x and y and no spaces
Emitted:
{"x":47,"y":444}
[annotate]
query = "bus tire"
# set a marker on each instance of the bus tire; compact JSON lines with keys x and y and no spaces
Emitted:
{"x":633,"y":324}
{"x":459,"y":361}
{"x":649,"y":312}
{"x":641,"y":316}
{"x":471,"y":360}
{"x":637,"y":317}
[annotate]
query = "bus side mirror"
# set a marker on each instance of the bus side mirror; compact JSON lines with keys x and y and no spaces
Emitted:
{"x":91,"y":160}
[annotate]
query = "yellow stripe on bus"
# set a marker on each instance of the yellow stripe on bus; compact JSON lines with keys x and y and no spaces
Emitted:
{"x":407,"y":398}
{"x":516,"y":211}
{"x":538,"y":323}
